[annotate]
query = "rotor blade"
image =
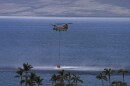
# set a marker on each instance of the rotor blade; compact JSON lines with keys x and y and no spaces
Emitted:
{"x":64,"y":23}
{"x":69,"y":23}
{"x":59,"y":23}
{"x":53,"y":24}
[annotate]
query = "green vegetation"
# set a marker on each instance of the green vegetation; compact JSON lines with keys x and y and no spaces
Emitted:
{"x":106,"y":75}
{"x":118,"y":83}
{"x":27,"y":77}
{"x":62,"y":78}
{"x":101,"y":77}
{"x":123,"y":72}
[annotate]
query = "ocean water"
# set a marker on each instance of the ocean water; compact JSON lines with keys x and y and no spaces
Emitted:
{"x":88,"y":44}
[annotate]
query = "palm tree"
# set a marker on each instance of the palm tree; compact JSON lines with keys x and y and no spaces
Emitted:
{"x":54,"y":79}
{"x":114,"y":83}
{"x":31,"y":80}
{"x":76,"y":79}
{"x":108,"y":72}
{"x":26,"y":68}
{"x":101,"y":77}
{"x":61,"y":76}
{"x":117,"y":83}
{"x":20,"y":72}
{"x":123,"y":72}
{"x":68,"y":77}
{"x":58,"y":79}
{"x":38,"y":80}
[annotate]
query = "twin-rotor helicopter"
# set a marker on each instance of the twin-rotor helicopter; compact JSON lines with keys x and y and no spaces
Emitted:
{"x":61,"y":26}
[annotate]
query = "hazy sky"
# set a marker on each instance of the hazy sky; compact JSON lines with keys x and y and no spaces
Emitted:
{"x":71,"y":8}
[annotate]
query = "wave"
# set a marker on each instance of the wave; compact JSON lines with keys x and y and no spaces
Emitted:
{"x":75,"y":69}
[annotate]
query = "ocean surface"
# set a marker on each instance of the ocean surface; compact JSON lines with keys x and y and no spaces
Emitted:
{"x":89,"y":44}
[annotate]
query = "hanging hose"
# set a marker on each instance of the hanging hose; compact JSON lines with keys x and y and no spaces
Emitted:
{"x":58,"y":66}
{"x":60,"y":28}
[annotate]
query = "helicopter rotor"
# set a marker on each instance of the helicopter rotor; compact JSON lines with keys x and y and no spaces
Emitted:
{"x":63,"y":23}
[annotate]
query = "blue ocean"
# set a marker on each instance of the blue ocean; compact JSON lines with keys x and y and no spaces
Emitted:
{"x":89,"y":44}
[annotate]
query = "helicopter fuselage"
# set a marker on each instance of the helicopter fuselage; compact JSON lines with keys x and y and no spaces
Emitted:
{"x":60,"y":28}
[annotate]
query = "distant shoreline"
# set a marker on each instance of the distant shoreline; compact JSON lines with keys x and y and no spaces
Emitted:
{"x":34,"y":17}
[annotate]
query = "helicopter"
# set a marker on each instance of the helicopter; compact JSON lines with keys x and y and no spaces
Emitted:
{"x":63,"y":27}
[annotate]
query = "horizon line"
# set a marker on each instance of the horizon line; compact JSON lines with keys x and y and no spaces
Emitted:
{"x":40,"y":17}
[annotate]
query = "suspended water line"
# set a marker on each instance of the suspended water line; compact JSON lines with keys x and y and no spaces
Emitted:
{"x":59,"y":61}
{"x":60,"y":28}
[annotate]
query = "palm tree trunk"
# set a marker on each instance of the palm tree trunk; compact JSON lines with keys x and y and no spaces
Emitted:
{"x":21,"y":80}
{"x":76,"y":83}
{"x":116,"y":83}
{"x":123,"y":77}
{"x":102,"y":83}
{"x":109,"y":80}
{"x":26,"y":79}
{"x":26,"y":82}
